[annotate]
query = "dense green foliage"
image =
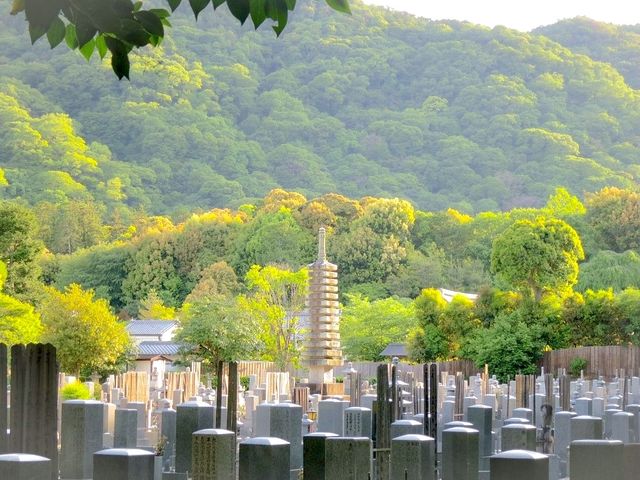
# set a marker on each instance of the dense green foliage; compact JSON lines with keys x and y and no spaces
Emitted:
{"x":87,"y":336}
{"x":534,"y":255}
{"x":75,"y":391}
{"x":474,"y":131}
{"x":19,"y":323}
{"x":119,"y":26}
{"x":215,"y":329}
{"x":368,"y":327}
{"x":444,"y":114}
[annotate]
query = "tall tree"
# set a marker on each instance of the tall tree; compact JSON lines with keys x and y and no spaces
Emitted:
{"x":19,"y":323}
{"x":276,"y":298}
{"x":215,"y":328}
{"x":19,"y":249}
{"x":534,"y":255}
{"x":615,"y":215}
{"x":366,"y":328}
{"x":87,"y":336}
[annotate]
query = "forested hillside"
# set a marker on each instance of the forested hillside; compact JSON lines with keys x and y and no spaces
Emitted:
{"x":377,"y":103}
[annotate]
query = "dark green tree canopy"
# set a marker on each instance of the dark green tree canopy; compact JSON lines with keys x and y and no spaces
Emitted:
{"x":534,"y":255}
{"x":118,"y":26}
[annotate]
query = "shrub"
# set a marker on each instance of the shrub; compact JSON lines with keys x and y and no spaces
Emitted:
{"x":75,"y":391}
{"x":577,"y":365}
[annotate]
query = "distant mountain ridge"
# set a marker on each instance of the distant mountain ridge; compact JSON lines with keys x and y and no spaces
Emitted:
{"x":445,"y":114}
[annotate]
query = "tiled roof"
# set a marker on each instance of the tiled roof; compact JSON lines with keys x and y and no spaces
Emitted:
{"x":449,"y":294}
{"x":150,"y":327}
{"x":151,"y":349}
{"x":395,"y":350}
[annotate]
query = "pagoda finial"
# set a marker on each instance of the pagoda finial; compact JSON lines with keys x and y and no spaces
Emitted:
{"x":322,"y":248}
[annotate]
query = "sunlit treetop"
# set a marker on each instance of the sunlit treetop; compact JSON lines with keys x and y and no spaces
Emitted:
{"x":119,"y":26}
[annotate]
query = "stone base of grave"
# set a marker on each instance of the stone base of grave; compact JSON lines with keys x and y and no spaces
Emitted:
{"x":322,"y":374}
{"x":24,"y":466}
{"x":123,"y":464}
{"x":174,"y":476}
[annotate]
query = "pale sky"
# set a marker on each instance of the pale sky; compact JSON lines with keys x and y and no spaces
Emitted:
{"x":517,"y":14}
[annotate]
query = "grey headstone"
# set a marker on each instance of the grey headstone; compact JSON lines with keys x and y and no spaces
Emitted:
{"x":413,"y":458}
{"x":168,"y":418}
{"x":126,"y":428}
{"x":357,"y":422}
{"x":330,"y":415}
{"x":622,"y":427}
{"x":518,"y":437}
{"x":584,"y":406}
{"x":460,"y":454}
{"x":516,"y":420}
{"x":286,"y":423}
{"x":631,"y":461}
{"x":190,"y":417}
{"x":81,"y":436}
{"x":263,"y":420}
{"x":123,"y":464}
{"x":481,"y":417}
{"x":635,"y":425}
{"x":406,"y":427}
{"x":348,"y":458}
{"x":608,"y":420}
{"x":314,"y":455}
{"x":523,"y":413}
{"x":520,"y":464}
{"x":264,"y":458}
{"x":24,"y":466}
{"x":584,"y":427}
{"x":562,"y":438}
{"x":213,"y":455}
{"x":598,"y":407}
{"x":457,"y":423}
{"x":596,"y":459}
{"x":142,"y":414}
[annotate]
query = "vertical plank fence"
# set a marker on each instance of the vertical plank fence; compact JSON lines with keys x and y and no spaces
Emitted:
{"x":606,"y":361}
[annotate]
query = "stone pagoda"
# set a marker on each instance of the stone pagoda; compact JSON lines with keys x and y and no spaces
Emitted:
{"x":322,"y":346}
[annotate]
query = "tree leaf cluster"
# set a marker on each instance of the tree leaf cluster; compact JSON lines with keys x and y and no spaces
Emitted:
{"x":122,"y":25}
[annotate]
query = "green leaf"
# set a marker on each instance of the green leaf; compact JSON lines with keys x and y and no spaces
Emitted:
{"x":160,"y":12}
{"x":119,"y":57}
{"x":339,"y":5}
{"x":87,"y":49}
{"x":239,"y":9}
{"x":132,"y":32}
{"x":291,"y":4}
{"x":85,"y":30}
{"x":173,"y":4}
{"x":17,"y":6}
{"x":56,"y":32}
{"x":198,"y":5}
{"x":217,"y":3}
{"x":155,"y":40}
{"x":70,"y":37}
{"x":101,"y":46}
{"x":258,"y":14}
{"x":137,"y":6}
{"x":282,"y":16}
{"x":40,"y":15}
{"x":35,"y":32}
{"x":151,"y":22}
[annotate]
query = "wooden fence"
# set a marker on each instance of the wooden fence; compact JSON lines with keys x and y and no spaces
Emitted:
{"x":367,"y":370}
{"x":607,"y":361}
{"x":259,"y":369}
